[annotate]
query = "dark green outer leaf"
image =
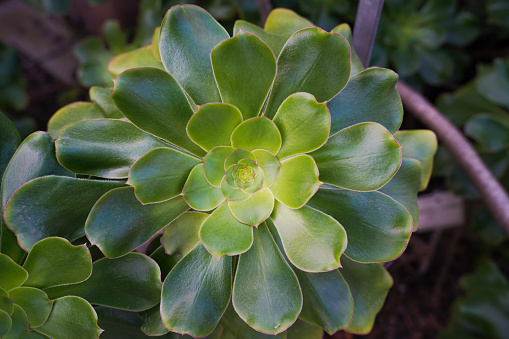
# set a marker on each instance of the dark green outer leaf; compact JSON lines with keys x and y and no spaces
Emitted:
{"x":19,"y":325}
{"x":304,"y":330}
{"x":9,"y":141}
{"x":370,"y":95}
{"x":153,"y":101}
{"x":5,"y":303}
{"x":240,"y":330}
{"x":196,"y":293}
{"x":404,"y":186}
{"x":13,"y":275}
{"x":54,"y":261}
{"x":131,"y":282}
{"x":5,"y":322}
{"x":244,"y":69}
{"x":118,"y":324}
{"x":153,"y":324}
{"x":377,"y":226}
{"x":491,"y":131}
{"x":312,"y":61}
{"x":53,"y":206}
{"x":71,"y":317}
{"x":160,"y":174}
{"x":34,"y":302}
{"x":36,"y":156}
{"x":266,"y":292}
{"x":106,"y":148}
{"x":369,"y":284}
{"x":188,"y":35}
{"x":420,"y":145}
{"x":75,"y":112}
{"x":118,"y":222}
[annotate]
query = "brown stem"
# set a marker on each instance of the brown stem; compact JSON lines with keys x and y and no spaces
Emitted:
{"x":264,"y":9}
{"x":492,"y":192}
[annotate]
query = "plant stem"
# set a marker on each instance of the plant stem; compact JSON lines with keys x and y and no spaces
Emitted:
{"x":491,"y":191}
{"x":264,"y":9}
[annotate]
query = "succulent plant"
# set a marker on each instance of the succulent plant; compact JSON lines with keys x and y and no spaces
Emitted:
{"x":272,"y":161}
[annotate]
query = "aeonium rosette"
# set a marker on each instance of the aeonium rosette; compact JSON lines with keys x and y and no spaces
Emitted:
{"x":269,"y":158}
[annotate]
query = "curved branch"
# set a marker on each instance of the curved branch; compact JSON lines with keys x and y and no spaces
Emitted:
{"x":492,"y":192}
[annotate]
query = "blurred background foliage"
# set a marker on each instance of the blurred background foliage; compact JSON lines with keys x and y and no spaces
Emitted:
{"x":455,"y":52}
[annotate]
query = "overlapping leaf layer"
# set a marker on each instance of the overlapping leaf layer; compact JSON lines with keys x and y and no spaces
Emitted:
{"x":271,"y":163}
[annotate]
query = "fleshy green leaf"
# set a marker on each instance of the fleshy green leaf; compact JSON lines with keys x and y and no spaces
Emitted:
{"x":36,"y":156}
{"x":404,"y":186}
{"x":118,"y":324}
{"x":13,"y":275}
{"x":370,"y":96}
{"x":312,"y":240}
{"x":269,"y":164}
{"x":183,"y":233}
{"x":119,"y":223}
{"x":257,"y":133}
{"x":304,"y":124}
{"x":254,"y":210}
{"x":213,"y":124}
{"x":101,"y":96}
{"x":199,"y":194}
{"x":222,"y":234}
{"x":266,"y":292}
{"x":152,"y":100}
{"x":71,"y":317}
{"x":286,"y":22}
{"x":362,"y":157}
{"x":244,"y":69}
{"x":106,"y":148}
{"x":58,"y":205}
{"x":5,"y":322}
{"x":304,"y":330}
{"x":312,"y":61}
{"x":420,"y":145}
{"x":297,"y":181}
{"x":188,"y":35}
{"x":369,"y":284}
{"x":237,"y":156}
{"x":233,"y":194}
{"x":140,"y":57}
{"x":214,"y":162}
{"x":196,"y":293}
{"x":327,"y":301}
{"x":5,"y":303}
{"x":160,"y":174}
{"x":274,"y":41}
{"x":131,"y":282}
{"x":378,"y":227}
{"x":54,"y":261}
{"x":9,"y":141}
{"x":34,"y":302}
{"x":152,"y":323}
{"x":75,"y":112}
{"x":346,"y":32}
{"x":237,"y":328}
{"x":155,"y":43}
{"x":19,"y":324}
